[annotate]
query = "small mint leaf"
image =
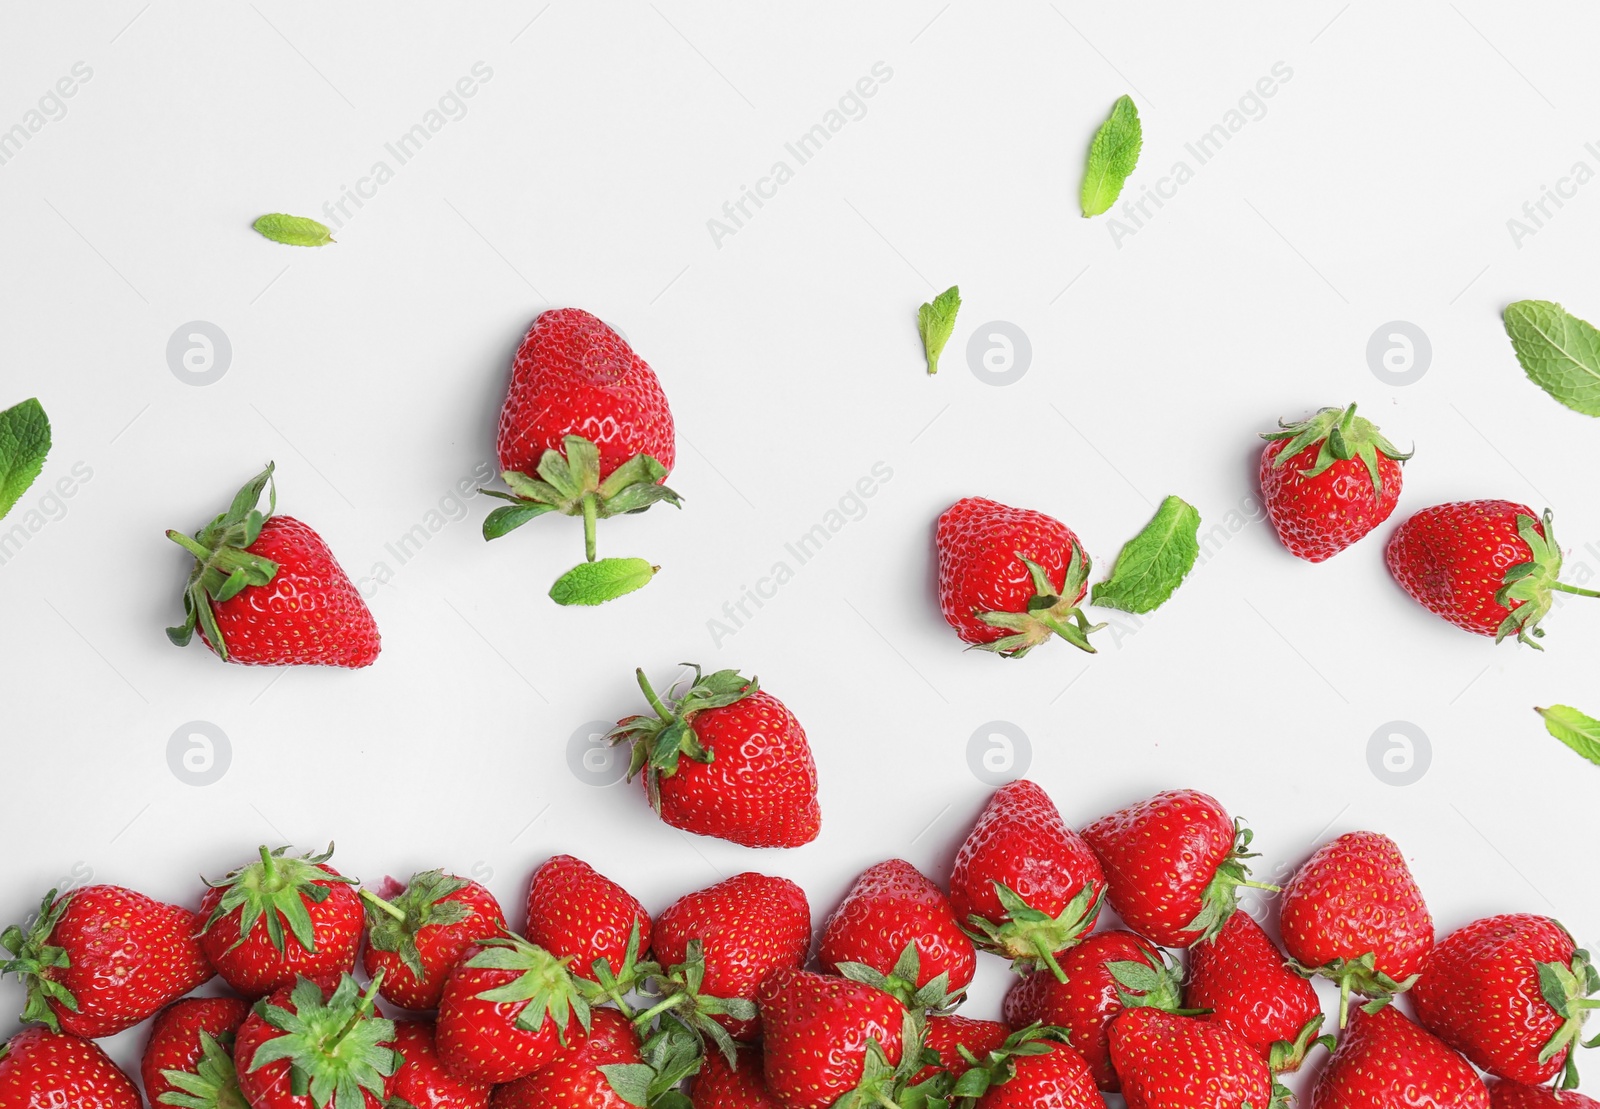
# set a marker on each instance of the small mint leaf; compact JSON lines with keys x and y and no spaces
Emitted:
{"x":1580,"y":732}
{"x":1153,"y":563}
{"x":293,"y":230}
{"x":935,"y":321}
{"x":595,"y":583}
{"x":1559,"y":352}
{"x":1112,"y":156}
{"x":24,"y":443}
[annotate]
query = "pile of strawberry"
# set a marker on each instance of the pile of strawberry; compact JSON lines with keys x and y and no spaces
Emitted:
{"x":713,"y":1002}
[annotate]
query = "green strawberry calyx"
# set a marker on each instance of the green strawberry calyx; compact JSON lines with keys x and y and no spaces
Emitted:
{"x":1050,"y":611}
{"x":1358,"y":976}
{"x":1221,"y":896}
{"x":543,"y":985}
{"x":676,"y":995}
{"x":1287,"y":1056}
{"x":669,"y":1055}
{"x":1031,"y":938}
{"x":1567,"y":988}
{"x":996,"y":1068}
{"x":276,"y":890}
{"x":33,"y":960}
{"x":394,"y":926}
{"x":568,"y":481}
{"x":661,"y":741}
{"x":336,"y":1047}
{"x":1528,"y":586}
{"x":893,"y":1084}
{"x":1154,"y":983}
{"x":224,"y":567}
{"x":1339,"y":435}
{"x":933,"y":996}
{"x":213,"y":1084}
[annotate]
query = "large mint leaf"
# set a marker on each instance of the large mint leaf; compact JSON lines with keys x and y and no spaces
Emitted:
{"x":1560,"y":352}
{"x":1154,"y":562}
{"x":24,"y":443}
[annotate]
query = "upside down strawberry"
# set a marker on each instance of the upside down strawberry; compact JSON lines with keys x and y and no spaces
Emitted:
{"x":1385,"y":1062}
{"x":416,"y":932}
{"x":422,"y":1082}
{"x":575,"y":911}
{"x":1328,"y":481}
{"x":1024,"y":884}
{"x":1174,"y":865}
{"x":1511,"y":994}
{"x":1168,"y":1061}
{"x":41,"y":1069}
{"x":822,"y":1034}
{"x":319,"y":1046}
{"x":266,"y":591}
{"x":889,"y":906}
{"x":725,"y":759}
{"x":1010,"y":578}
{"x":1031,"y":1068}
{"x":1490,"y":567}
{"x":1242,"y":981}
{"x":281,"y":917}
{"x":953,"y":1038}
{"x":190,"y":1054}
{"x":1353,"y":913}
{"x":100,"y":959}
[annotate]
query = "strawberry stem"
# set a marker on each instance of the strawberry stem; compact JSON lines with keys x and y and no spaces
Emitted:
{"x":591,"y":513}
{"x":189,"y":545}
{"x":650,"y":695}
{"x":379,"y":903}
{"x":363,"y":1009}
{"x":269,"y":868}
{"x":1565,"y":588}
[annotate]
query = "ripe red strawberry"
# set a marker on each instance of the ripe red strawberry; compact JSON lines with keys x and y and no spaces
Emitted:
{"x":190,"y":1053}
{"x":1030,"y":1069}
{"x":891,"y":905}
{"x":574,"y":1080}
{"x":1353,"y":913}
{"x":417,"y":932}
{"x":266,"y":591}
{"x":574,"y":910}
{"x":1328,"y":481}
{"x":1106,"y":974}
{"x":270,"y":922}
{"x":422,"y":1082}
{"x":585,"y":429}
{"x":999,"y":569}
{"x":820,"y":1034}
{"x":745,"y":927}
{"x":1174,"y":865}
{"x":508,"y":1009}
{"x":1489,"y":567}
{"x":1243,"y":979}
{"x":741,"y":1086}
{"x":1509,"y":993}
{"x":1386,"y":1062}
{"x":1026,"y":884}
{"x":41,"y":1069}
{"x":946,"y":1036}
{"x":726,"y":759}
{"x":100,"y":959}
{"x":306,"y":1043}
{"x":1167,"y":1061}
{"x":1513,"y":1095}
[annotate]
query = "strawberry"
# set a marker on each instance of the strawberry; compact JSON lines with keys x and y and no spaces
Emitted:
{"x":1168,"y":1061}
{"x":743,"y":928}
{"x":575,"y":1079}
{"x":575,"y":911}
{"x":1353,"y":913}
{"x":1510,"y":993}
{"x":739,"y":1085}
{"x":266,"y":591}
{"x":190,"y":1054}
{"x":1027,"y":885}
{"x":1328,"y":481}
{"x":422,"y":1082}
{"x":585,"y":429}
{"x":1386,"y":1062}
{"x":1174,"y":865}
{"x":726,"y":759}
{"x":317,"y":1045}
{"x":953,"y":1038}
{"x":822,"y":1036}
{"x":1243,"y":980}
{"x":417,"y":932}
{"x":100,"y":959}
{"x":246,"y":913}
{"x":1032,"y":1067}
{"x":1513,"y":1095}
{"x":1489,"y":567}
{"x":1106,"y":974}
{"x":508,"y":1009}
{"x":891,"y":905}
{"x":998,"y":569}
{"x":41,"y":1069}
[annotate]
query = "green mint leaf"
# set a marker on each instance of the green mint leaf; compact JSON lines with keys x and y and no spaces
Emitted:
{"x":1559,"y":352}
{"x":293,"y":230}
{"x":1154,"y":562}
{"x":1112,"y":156}
{"x":935,"y":321}
{"x":24,"y":443}
{"x":595,"y":583}
{"x":1580,"y":732}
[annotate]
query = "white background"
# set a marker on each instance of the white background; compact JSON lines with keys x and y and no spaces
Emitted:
{"x":1377,"y":187}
